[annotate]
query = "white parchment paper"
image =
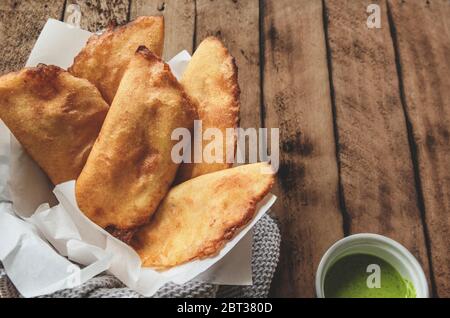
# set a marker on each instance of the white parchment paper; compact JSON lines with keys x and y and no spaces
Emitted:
{"x":47,"y":243}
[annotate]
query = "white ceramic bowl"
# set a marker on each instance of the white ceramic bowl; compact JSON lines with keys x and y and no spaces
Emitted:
{"x":387,"y":249}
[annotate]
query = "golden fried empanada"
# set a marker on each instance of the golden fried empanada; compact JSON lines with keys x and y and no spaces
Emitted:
{"x":105,"y":57}
{"x":54,"y":115}
{"x":211,"y":82}
{"x":199,"y":216}
{"x":130,"y":168}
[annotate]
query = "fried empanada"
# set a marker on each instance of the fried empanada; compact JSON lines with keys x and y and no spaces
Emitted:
{"x":130,"y":168}
{"x":199,"y":216}
{"x":105,"y":57}
{"x":211,"y":82}
{"x":54,"y":115}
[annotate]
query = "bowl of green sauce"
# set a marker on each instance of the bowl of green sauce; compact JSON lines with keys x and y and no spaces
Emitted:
{"x":370,"y":266}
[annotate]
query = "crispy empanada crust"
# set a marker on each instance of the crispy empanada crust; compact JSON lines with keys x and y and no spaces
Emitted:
{"x":211,"y":82}
{"x":105,"y":57}
{"x":130,"y":168}
{"x":198,"y":217}
{"x":54,"y":115}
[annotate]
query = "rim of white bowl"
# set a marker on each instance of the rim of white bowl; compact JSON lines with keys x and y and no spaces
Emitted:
{"x":423,"y":288}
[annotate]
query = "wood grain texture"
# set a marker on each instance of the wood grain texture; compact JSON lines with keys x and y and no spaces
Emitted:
{"x":20,"y":25}
{"x":236,"y":23}
{"x":297,"y":100}
{"x":99,"y":14}
{"x":376,"y":168}
{"x":179,"y":18}
{"x":424,"y":54}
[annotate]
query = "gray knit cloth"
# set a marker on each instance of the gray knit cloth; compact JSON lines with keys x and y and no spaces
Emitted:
{"x":265,"y":249}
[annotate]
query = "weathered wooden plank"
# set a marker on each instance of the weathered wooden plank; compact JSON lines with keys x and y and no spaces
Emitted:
{"x":297,"y":100}
{"x":99,"y":14}
{"x":236,"y":23}
{"x":179,"y":18}
{"x":20,"y":25}
{"x":422,"y":31}
{"x":376,"y":169}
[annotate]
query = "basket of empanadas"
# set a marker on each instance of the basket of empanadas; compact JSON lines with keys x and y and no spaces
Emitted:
{"x":100,"y":176}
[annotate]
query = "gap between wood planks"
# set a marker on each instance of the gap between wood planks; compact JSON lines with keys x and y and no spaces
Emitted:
{"x":413,"y":148}
{"x":297,"y":100}
{"x":424,"y":65}
{"x":343,"y":208}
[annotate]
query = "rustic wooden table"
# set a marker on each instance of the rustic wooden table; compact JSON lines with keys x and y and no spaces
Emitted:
{"x":364,"y":114}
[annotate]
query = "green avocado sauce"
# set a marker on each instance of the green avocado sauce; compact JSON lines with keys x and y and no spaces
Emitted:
{"x":348,"y":278}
